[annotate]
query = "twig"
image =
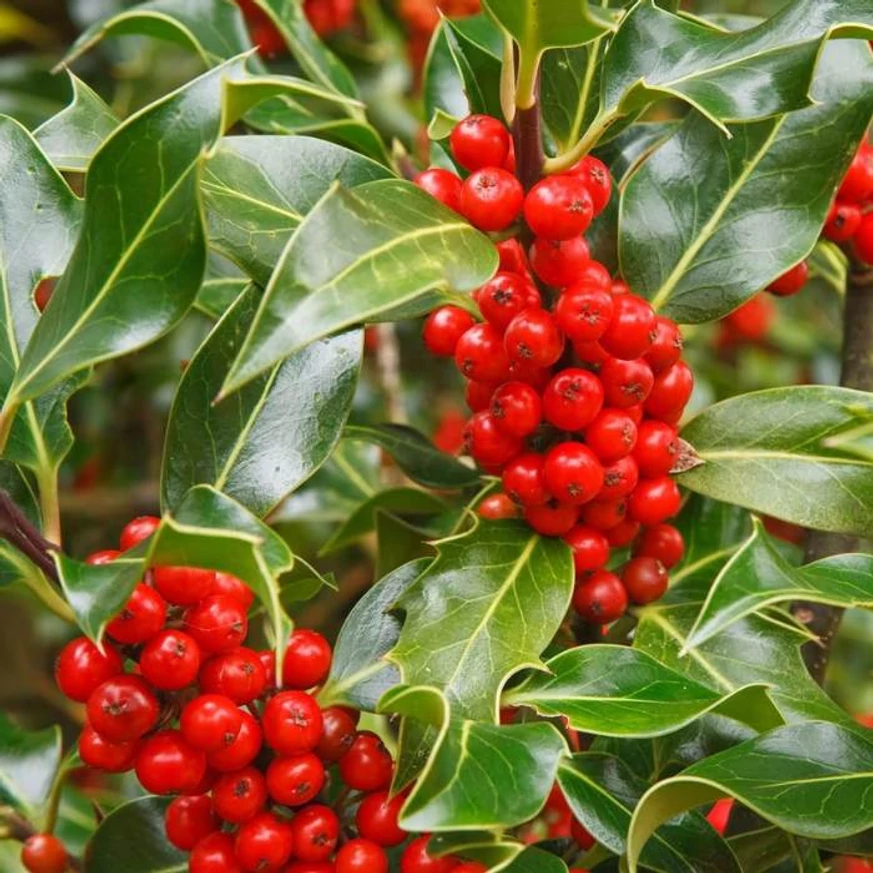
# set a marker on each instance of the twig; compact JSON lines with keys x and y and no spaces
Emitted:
{"x":17,"y":529}
{"x":528,"y":135}
{"x":16,"y":827}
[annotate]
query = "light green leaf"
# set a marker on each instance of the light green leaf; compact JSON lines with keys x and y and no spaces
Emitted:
{"x":218,"y":294}
{"x":547,"y":23}
{"x":475,"y":45}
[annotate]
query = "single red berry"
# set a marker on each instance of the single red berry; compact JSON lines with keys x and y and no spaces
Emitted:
{"x":81,"y":667}
{"x":636,"y":412}
{"x":612,"y":435}
{"x":238,"y":674}
{"x":296,"y":780}
{"x":170,"y":660}
{"x":600,"y":598}
{"x":444,"y":327}
{"x":316,"y":832}
{"x":864,"y":239}
{"x":361,"y":856}
{"x":654,"y":501}
{"x":44,"y":853}
{"x":559,"y":207}
{"x":790,"y":282}
{"x":524,"y":480}
{"x":572,"y":473}
{"x":517,"y":409}
{"x":138,"y":530}
{"x":533,"y":336}
{"x":857,"y":186}
{"x":122,"y":709}
{"x":292,"y":723}
{"x":211,"y":722}
{"x":218,"y":623}
{"x":497,"y":506}
{"x":583,"y":313}
{"x":626,"y":383}
{"x":98,"y":752}
{"x":42,"y":294}
{"x":240,"y":796}
{"x":166,"y":764}
{"x":231,"y":586}
{"x":666,"y":346}
{"x":504,"y":297}
{"x":417,"y":859}
{"x":143,"y":616}
{"x":513,"y":258}
{"x":480,"y":354}
{"x":619,"y":479}
{"x":531,"y":374}
{"x":657,"y":448}
{"x":106,"y":556}
{"x":645,"y":580}
{"x":480,"y":141}
{"x":661,"y":541}
{"x":487,"y":444}
{"x":579,"y":833}
{"x":671,"y":391}
{"x":590,"y":355}
{"x":604,"y":515}
{"x":214,"y":854}
{"x":442,"y":185}
{"x":623,"y":534}
{"x":183,"y":586}
{"x":267,"y":657}
{"x":242,"y":751}
{"x":573,"y":399}
{"x":367,"y":766}
{"x":264,"y":843}
{"x":590,"y":548}
{"x":307,"y":660}
{"x":188,"y":820}
{"x":596,"y":176}
{"x":553,"y":519}
{"x":378,"y":816}
{"x":558,"y":263}
{"x":478,"y":395}
{"x":338,"y":734}
{"x":753,"y":320}
{"x":491,"y":199}
{"x":842,"y":222}
{"x":631,"y":331}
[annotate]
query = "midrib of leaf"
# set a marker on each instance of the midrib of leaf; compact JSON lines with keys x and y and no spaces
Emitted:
{"x":712,"y":223}
{"x":758,"y":454}
{"x":235,"y":193}
{"x":691,"y":569}
{"x":581,"y":106}
{"x":353,"y":474}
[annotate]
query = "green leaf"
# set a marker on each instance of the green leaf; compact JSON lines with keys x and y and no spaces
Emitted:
{"x":443,"y":87}
{"x":484,"y":609}
{"x":398,"y":244}
{"x":71,"y":137}
{"x":29,"y":764}
{"x":257,"y":190}
{"x":133,"y":838}
{"x":479,"y":775}
{"x":602,"y":792}
{"x":547,"y":23}
{"x":617,"y":691}
{"x":416,"y":455}
{"x":218,"y":294}
{"x":697,"y":264}
{"x":772,"y":452}
{"x":812,"y":780}
{"x":359,"y":673}
{"x":475,"y":46}
{"x":263,"y":442}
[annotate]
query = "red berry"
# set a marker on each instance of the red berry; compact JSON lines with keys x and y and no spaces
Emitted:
{"x":619,"y":479}
{"x":183,"y":585}
{"x":307,"y":660}
{"x":239,"y":796}
{"x":645,"y":580}
{"x":296,"y":780}
{"x":242,"y":751}
{"x":211,"y":722}
{"x":143,"y":616}
{"x":623,"y":534}
{"x":583,"y":313}
{"x":264,"y":843}
{"x":590,"y":548}
{"x":857,"y":186}
{"x":214,"y":854}
{"x":218,"y":623}
{"x":292,"y":723}
{"x":311,"y":866}
{"x":553,"y":519}
{"x":753,"y":319}
{"x":524,"y":480}
{"x":661,"y":541}
{"x":666,"y":346}
{"x":600,"y":598}
{"x":122,"y":709}
{"x":506,"y":296}
{"x":44,"y":853}
{"x":612,"y":435}
{"x":166,"y":764}
{"x":656,"y":449}
{"x":442,"y":185}
{"x":558,"y":263}
{"x":583,"y":839}
{"x":104,"y":557}
{"x":632,"y":329}
{"x":791,"y":281}
{"x":654,"y":501}
{"x":81,"y":667}
{"x":361,"y":856}
{"x":604,"y":515}
{"x":268,"y":662}
{"x":238,"y":674}
{"x":533,"y":337}
{"x":138,"y":530}
{"x":478,"y":395}
{"x":480,"y":141}
{"x":98,"y":752}
{"x":231,"y":586}
{"x":864,"y":239}
{"x":626,"y":383}
{"x":842,"y":222}
{"x":416,"y":859}
{"x":497,"y":506}
{"x":487,"y":443}
{"x":512,"y":257}
{"x":559,"y":207}
{"x":572,"y":473}
{"x":671,"y":391}
{"x":338,"y":734}
{"x":531,"y":374}
{"x":517,"y":409}
{"x":377,"y":819}
{"x":596,"y":176}
{"x":491,"y":199}
{"x":188,"y":820}
{"x":573,"y":399}
{"x":170,"y":660}
{"x":444,"y":327}
{"x":591,"y":355}
{"x":316,"y":832}
{"x":367,"y":766}
{"x":480,"y":355}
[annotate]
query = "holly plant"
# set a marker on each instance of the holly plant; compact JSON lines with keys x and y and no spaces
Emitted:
{"x":582,"y":627}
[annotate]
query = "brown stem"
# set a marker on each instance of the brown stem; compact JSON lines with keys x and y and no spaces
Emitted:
{"x":17,"y":529}
{"x":528,"y":136}
{"x":857,"y":372}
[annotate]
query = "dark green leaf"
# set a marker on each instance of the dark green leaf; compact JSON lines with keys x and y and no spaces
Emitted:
{"x":547,"y":24}
{"x":264,"y":441}
{"x":398,"y":542}
{"x":29,"y":765}
{"x":217,"y":295}
{"x":475,"y":46}
{"x":627,"y":150}
{"x":443,"y":88}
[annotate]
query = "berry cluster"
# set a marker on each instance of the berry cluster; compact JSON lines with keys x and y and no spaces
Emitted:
{"x":850,"y":220}
{"x":177,"y":697}
{"x":575,"y":384}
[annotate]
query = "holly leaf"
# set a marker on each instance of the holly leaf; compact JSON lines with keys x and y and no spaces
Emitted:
{"x":475,"y":46}
{"x":269,"y":438}
{"x":812,"y":780}
{"x":696,"y":264}
{"x":774,"y":452}
{"x":398,"y":244}
{"x":71,"y":137}
{"x":617,"y":691}
{"x":443,"y":85}
{"x":218,"y":294}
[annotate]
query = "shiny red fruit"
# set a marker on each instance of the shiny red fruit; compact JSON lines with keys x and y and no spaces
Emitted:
{"x":264,"y":843}
{"x":619,"y":480}
{"x":559,"y":263}
{"x":671,"y":391}
{"x":218,"y":623}
{"x":552,"y":520}
{"x":183,"y":586}
{"x":657,"y":448}
{"x":338,"y":734}
{"x":166,"y":764}
{"x":600,"y":598}
{"x":296,"y":780}
{"x":491,"y":199}
{"x":864,"y":239}
{"x":480,"y":141}
{"x":857,"y":186}
{"x":44,"y":853}
{"x":573,"y":399}
{"x":444,"y":327}
{"x":590,"y":548}
{"x":584,"y":313}
{"x":790,"y":282}
{"x":316,"y":831}
{"x":170,"y":660}
{"x":242,"y":751}
{"x":498,"y":506}
{"x":442,"y":185}
{"x":596,"y":176}
{"x":238,"y":674}
{"x":361,"y":856}
{"x":843,"y":222}
{"x":572,"y":473}
{"x":631,"y":332}
{"x":141,"y":618}
{"x":292,"y":723}
{"x":535,"y":338}
{"x":480,"y":354}
{"x":81,"y":667}
{"x":211,"y":722}
{"x":122,"y":709}
{"x":524,"y":480}
{"x":626,"y":383}
{"x":138,"y":530}
{"x":487,"y":444}
{"x":612,"y":435}
{"x":230,"y":586}
{"x":240,"y":796}
{"x":661,"y":541}
{"x":367,"y":766}
{"x":188,"y":820}
{"x":102,"y":754}
{"x":378,"y":816}
{"x":416,"y":859}
{"x":666,"y":348}
{"x":214,"y":854}
{"x":645,"y":580}
{"x":517,"y":409}
{"x":654,"y":501}
{"x":559,"y":208}
{"x":307,"y":660}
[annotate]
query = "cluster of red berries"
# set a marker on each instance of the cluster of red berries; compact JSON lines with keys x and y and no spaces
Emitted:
{"x":195,"y":713}
{"x":850,"y":220}
{"x":325,"y":16}
{"x":575,"y":384}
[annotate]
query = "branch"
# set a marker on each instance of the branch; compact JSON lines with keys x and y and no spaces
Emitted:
{"x":18,"y":530}
{"x":857,"y":372}
{"x":528,"y":135}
